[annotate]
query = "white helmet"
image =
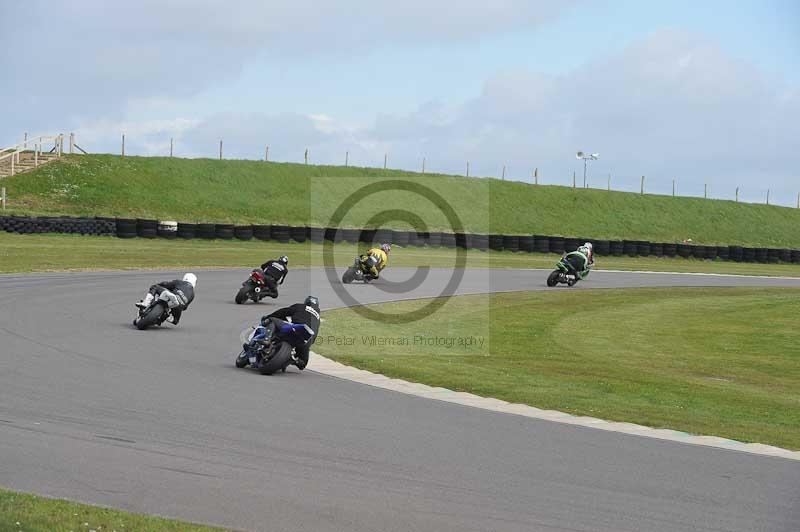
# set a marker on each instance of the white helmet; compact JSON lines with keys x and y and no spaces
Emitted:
{"x":588,"y":245}
{"x":191,"y":279}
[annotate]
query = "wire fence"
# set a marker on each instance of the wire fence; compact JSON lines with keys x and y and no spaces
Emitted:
{"x":612,"y":183}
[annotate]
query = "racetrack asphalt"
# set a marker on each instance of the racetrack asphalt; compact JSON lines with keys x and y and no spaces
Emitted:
{"x":160,"y":422}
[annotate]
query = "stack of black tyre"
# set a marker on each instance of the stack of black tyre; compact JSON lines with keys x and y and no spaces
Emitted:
{"x":57,"y":224}
{"x":186,"y":230}
{"x":243,"y":232}
{"x":146,"y":228}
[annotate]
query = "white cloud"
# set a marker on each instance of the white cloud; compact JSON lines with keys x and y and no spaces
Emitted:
{"x":90,"y":58}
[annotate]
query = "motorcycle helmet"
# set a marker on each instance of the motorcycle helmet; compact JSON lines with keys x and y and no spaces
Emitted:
{"x":588,"y":245}
{"x":312,"y":301}
{"x":191,"y":279}
{"x":284,"y":259}
{"x":386,"y":247}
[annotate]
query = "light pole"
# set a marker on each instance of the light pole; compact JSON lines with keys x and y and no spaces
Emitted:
{"x":586,"y":157}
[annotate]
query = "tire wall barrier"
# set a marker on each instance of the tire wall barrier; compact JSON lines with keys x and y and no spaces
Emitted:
{"x":65,"y":224}
{"x":145,"y":228}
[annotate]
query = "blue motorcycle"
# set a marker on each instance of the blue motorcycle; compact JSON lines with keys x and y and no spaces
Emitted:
{"x":269,"y":348}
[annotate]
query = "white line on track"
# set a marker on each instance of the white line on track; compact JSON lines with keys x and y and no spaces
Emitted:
{"x":700,"y":274}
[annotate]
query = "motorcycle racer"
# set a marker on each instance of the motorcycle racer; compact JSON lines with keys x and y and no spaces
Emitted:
{"x":179,"y":294}
{"x":376,"y":259}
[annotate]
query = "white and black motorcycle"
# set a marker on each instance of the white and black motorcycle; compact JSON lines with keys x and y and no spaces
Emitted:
{"x":157,"y":312}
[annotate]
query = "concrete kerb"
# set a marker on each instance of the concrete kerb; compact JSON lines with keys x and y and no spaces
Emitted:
{"x":326,"y":366}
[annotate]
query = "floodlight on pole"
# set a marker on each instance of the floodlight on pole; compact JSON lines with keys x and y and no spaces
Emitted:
{"x":586,"y":157}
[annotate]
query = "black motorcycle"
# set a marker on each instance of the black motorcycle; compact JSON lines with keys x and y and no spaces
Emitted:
{"x":359,"y":271}
{"x":267,"y":349}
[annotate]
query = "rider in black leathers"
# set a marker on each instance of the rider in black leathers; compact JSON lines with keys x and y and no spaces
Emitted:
{"x":275,"y":272}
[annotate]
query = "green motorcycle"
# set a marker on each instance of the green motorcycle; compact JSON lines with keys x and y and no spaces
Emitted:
{"x":572,"y":267}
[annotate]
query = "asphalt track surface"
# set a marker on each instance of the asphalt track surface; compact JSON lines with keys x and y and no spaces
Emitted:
{"x":161,"y":422}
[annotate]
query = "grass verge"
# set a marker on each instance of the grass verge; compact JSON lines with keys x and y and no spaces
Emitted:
{"x":29,"y":253}
{"x":259,"y":192}
{"x":722,"y":362}
{"x":31,"y":513}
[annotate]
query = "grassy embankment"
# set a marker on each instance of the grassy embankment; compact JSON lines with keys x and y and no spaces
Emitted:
{"x":722,"y":362}
{"x":257,"y":192}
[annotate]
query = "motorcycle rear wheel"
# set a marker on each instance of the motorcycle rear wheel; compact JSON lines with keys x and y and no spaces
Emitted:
{"x":279,"y":360}
{"x":150,"y":317}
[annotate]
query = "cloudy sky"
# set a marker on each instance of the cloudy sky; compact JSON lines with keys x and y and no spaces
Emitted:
{"x":703,"y":92}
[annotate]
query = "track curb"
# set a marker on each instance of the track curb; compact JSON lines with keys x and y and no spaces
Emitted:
{"x":326,"y":366}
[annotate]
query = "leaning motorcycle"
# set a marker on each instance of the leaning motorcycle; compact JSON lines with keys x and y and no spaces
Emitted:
{"x":157,"y":312}
{"x":359,"y":271}
{"x":566,"y":273}
{"x":267,"y":350}
{"x":255,"y":288}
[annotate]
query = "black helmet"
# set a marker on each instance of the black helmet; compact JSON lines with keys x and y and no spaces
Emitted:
{"x":284,"y":259}
{"x":312,"y":301}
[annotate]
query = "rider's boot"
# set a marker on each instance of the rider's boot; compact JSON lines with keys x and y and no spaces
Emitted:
{"x":145,"y":302}
{"x":299,"y":362}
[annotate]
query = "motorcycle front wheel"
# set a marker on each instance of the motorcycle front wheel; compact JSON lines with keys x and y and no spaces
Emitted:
{"x":552,"y":279}
{"x":242,"y":295}
{"x":279,"y":359}
{"x":348,"y":276}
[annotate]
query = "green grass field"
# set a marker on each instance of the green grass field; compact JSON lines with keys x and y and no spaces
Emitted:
{"x":722,"y":362}
{"x":259,"y":192}
{"x":29,"y":253}
{"x":31,"y":513}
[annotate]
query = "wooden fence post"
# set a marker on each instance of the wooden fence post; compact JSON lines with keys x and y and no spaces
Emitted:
{"x":3,"y":197}
{"x":467,"y":168}
{"x":385,"y":160}
{"x":705,"y":190}
{"x":573,"y":179}
{"x":170,"y":146}
{"x":346,"y":158}
{"x":504,"y":173}
{"x":423,"y":165}
{"x":123,"y":144}
{"x":535,"y":176}
{"x":673,"y":188}
{"x":71,"y":142}
{"x":266,"y":153}
{"x":737,"y":194}
{"x":220,"y":149}
{"x":767,"y":196}
{"x":642,"y":189}
{"x":305,"y":156}
{"x":609,"y":182}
